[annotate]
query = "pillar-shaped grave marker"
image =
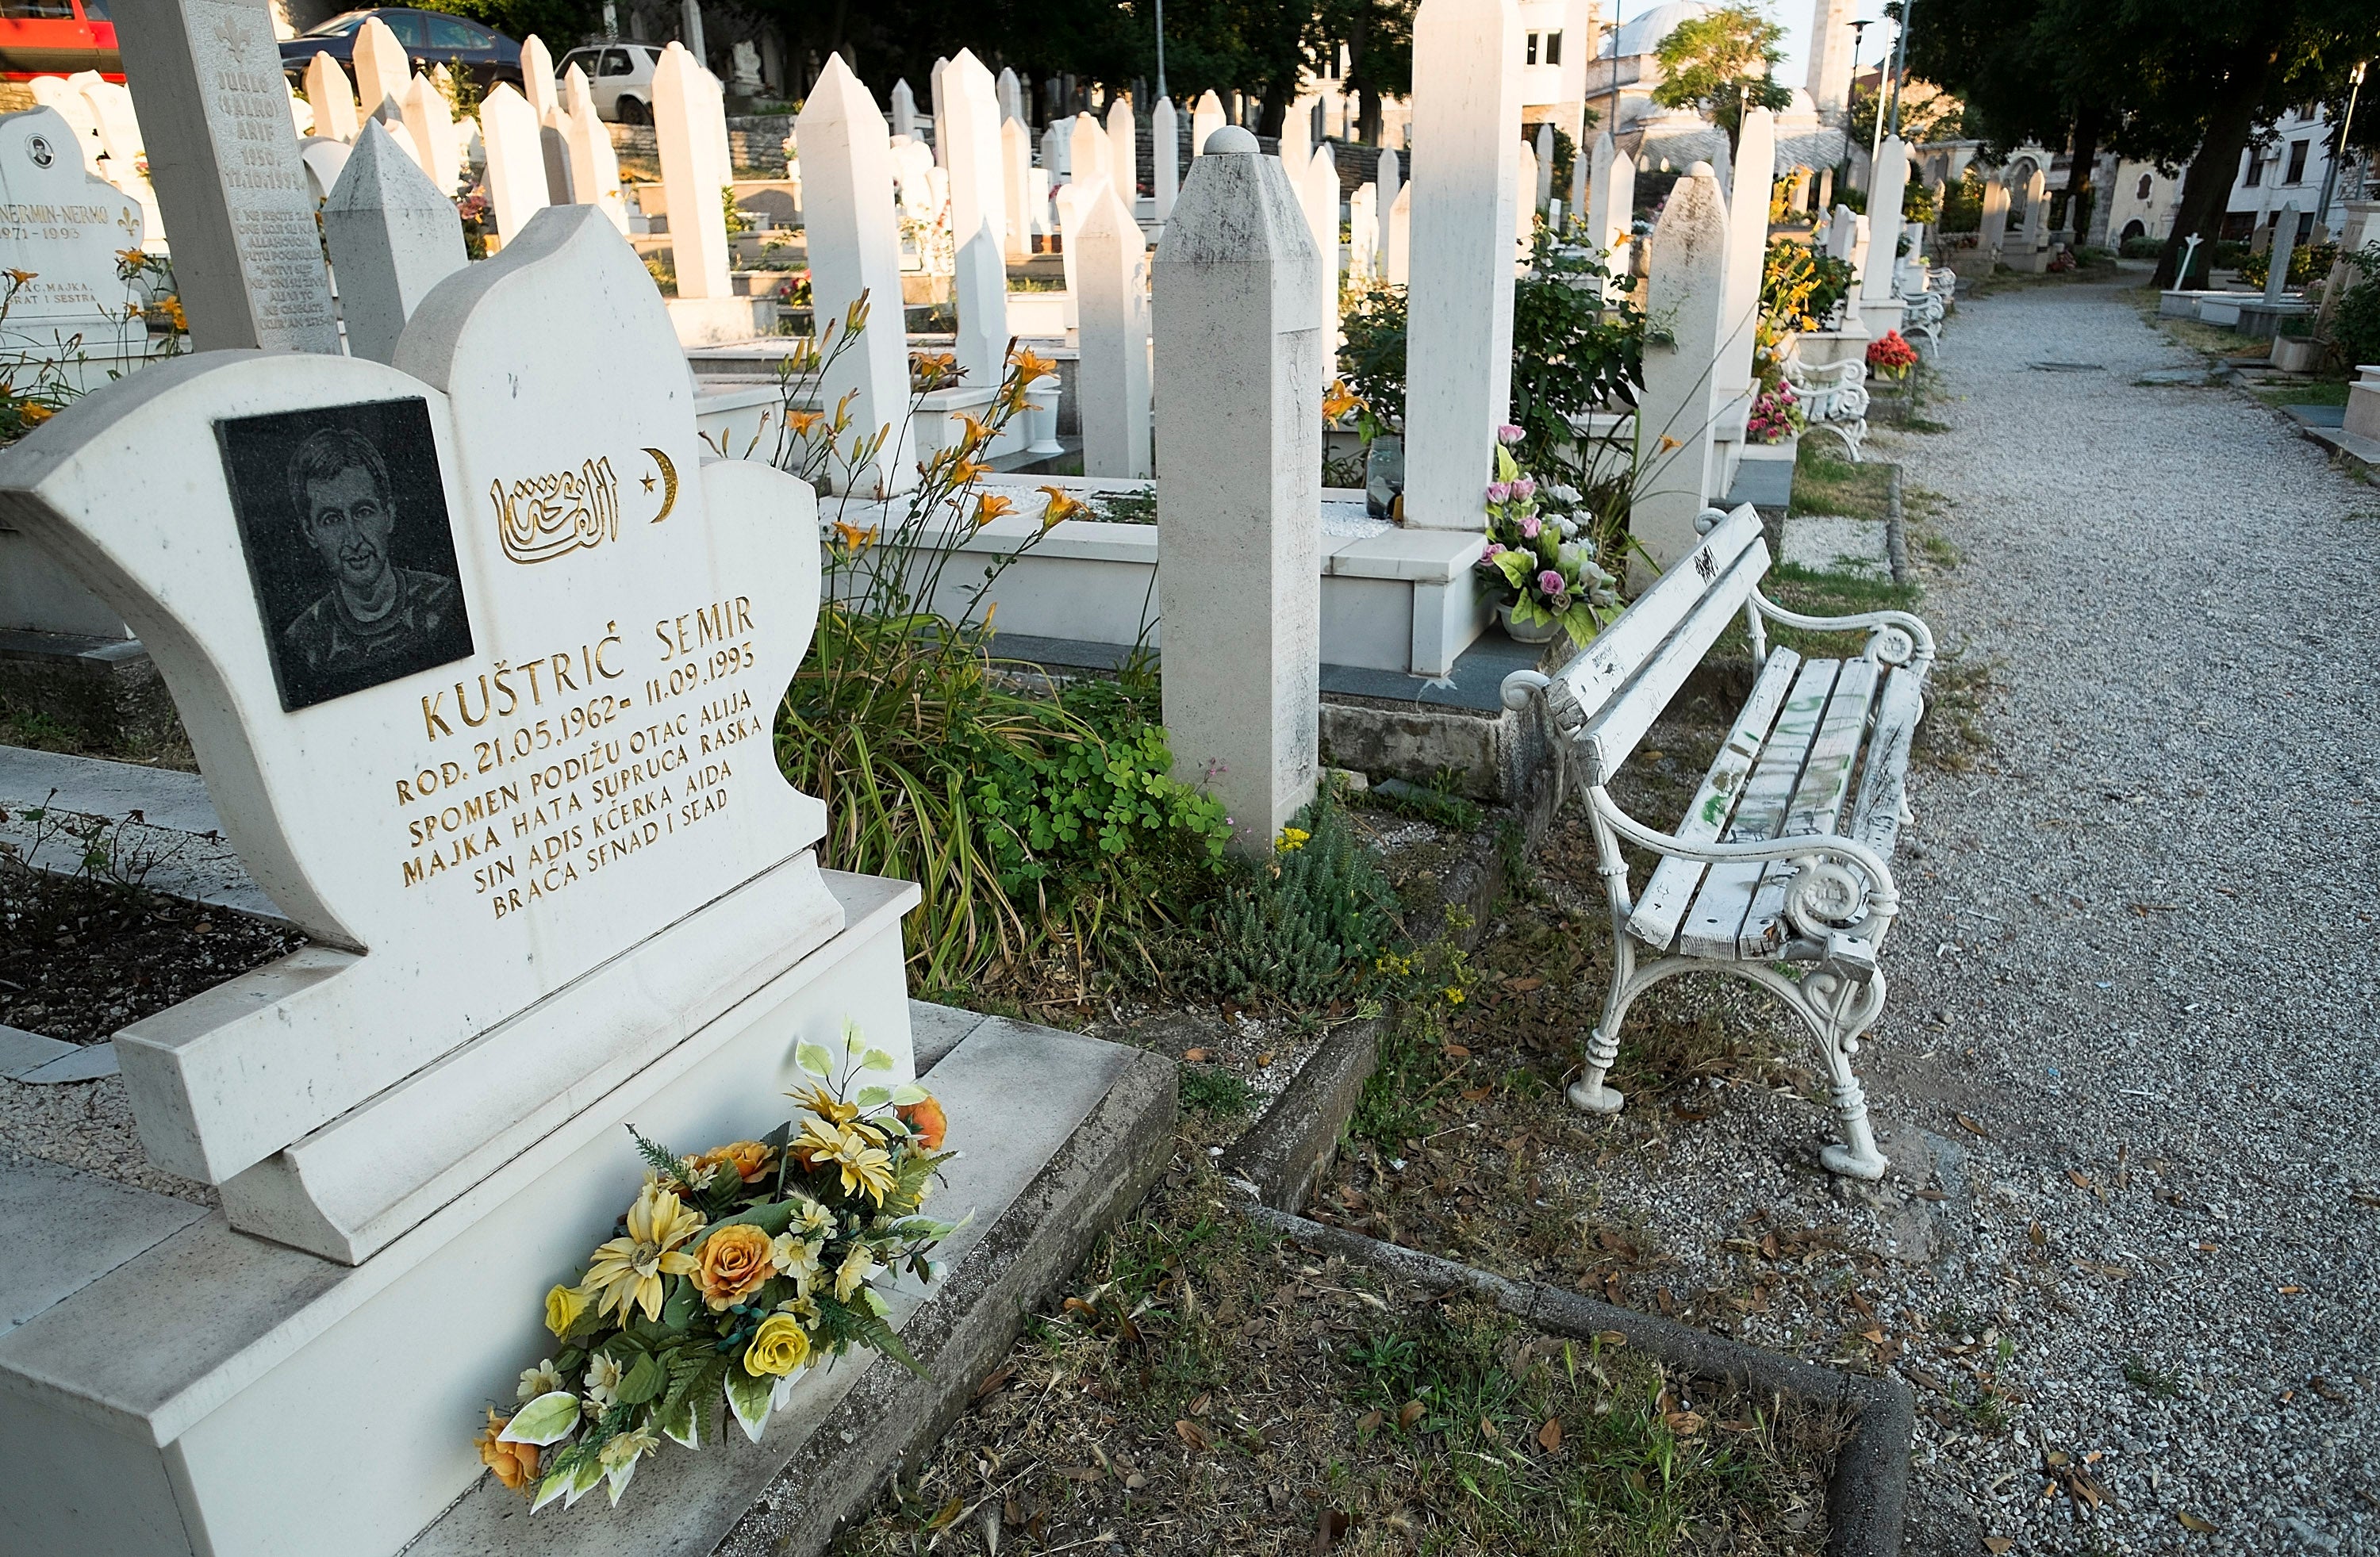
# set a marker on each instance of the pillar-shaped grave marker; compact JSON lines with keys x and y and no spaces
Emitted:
{"x":517,"y":182}
{"x":1686,"y":288}
{"x":686,"y":98}
{"x":1747,"y":251}
{"x":854,"y":249}
{"x":1459,"y":343}
{"x":1206,"y":118}
{"x":222,"y":155}
{"x":1123,"y":149}
{"x":594,"y":165}
{"x":978,"y":217}
{"x":1016,"y":185}
{"x":537,"y":77}
{"x":392,"y":238}
{"x":1086,"y":152}
{"x":381,"y":66}
{"x":333,"y":99}
{"x":438,"y":141}
{"x":1239,"y":420}
{"x":1389,"y":176}
{"x":1165,"y":162}
{"x":1113,"y":389}
{"x":1885,"y":191}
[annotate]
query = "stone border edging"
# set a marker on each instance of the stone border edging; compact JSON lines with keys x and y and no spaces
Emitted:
{"x":1869,"y":1490}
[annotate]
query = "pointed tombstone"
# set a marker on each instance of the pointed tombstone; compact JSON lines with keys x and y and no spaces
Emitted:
{"x":1205,"y":120}
{"x":536,"y":78}
{"x":1012,"y":96}
{"x":1073,"y":203}
{"x":594,"y":165}
{"x":332,"y":98}
{"x":119,"y":126}
{"x":559,"y":187}
{"x":1296,"y":147}
{"x":1165,"y":158}
{"x":393,"y":235}
{"x":685,"y":105}
{"x":905,"y":110}
{"x":1578,"y":186}
{"x":1086,"y":152}
{"x":979,"y":206}
{"x":1524,"y":194}
{"x":1016,"y":185}
{"x":1466,"y":101}
{"x":429,"y":120}
{"x":1112,"y":384}
{"x":2036,"y":209}
{"x":576,"y":92}
{"x":1123,"y":150}
{"x":1319,"y":192}
{"x":381,"y":68}
{"x":1398,"y":251}
{"x":515,"y":143}
{"x":1686,"y":285}
{"x":1389,"y":175}
{"x":2284,"y":243}
{"x":1364,"y":233}
{"x":1747,"y":254}
{"x":854,"y":249}
{"x":1053,"y":150}
{"x":1838,"y":234}
{"x":1037,"y":201}
{"x":223,"y":157}
{"x":1885,"y":192}
{"x":1545,"y":155}
{"x":1239,"y":446}
{"x":940,"y":109}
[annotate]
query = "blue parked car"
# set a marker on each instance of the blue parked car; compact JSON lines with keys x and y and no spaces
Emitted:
{"x":430,"y":38}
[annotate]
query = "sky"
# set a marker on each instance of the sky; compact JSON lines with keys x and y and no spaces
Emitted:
{"x":1794,"y":16}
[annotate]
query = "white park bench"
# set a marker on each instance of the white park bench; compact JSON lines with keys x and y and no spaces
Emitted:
{"x":1921,"y":315}
{"x":1833,"y":399}
{"x":1779,"y":871}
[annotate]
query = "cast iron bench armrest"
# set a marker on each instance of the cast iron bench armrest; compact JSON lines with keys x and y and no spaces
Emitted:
{"x":1826,"y":898}
{"x":1880,"y":626}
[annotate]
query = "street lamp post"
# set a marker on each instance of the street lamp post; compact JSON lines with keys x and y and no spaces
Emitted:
{"x":1160,"y":48}
{"x":2330,"y":174}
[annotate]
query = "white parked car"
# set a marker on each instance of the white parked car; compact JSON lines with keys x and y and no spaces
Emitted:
{"x":619,"y":75}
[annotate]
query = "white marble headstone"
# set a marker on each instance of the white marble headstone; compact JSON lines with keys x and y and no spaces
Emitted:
{"x":479,"y":656}
{"x":65,"y":226}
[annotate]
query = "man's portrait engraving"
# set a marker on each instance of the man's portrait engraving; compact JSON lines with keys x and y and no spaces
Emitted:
{"x":343,"y":521}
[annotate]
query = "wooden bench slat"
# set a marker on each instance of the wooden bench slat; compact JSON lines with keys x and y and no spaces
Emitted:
{"x":1817,"y":803}
{"x":1672,"y":889}
{"x":1582,"y":687}
{"x":1627,"y":714}
{"x":1714,"y":924}
{"x":1876,"y":816}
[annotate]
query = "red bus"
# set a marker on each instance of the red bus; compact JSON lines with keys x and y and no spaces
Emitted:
{"x":57,"y":38}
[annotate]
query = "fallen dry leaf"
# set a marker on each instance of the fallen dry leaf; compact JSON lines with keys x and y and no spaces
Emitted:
{"x":1996,"y":1544}
{"x":1611,"y":1337}
{"x":1190,"y":1432}
{"x":1411,"y":1412}
{"x":2040,"y":1239}
{"x":1369,"y":1421}
{"x":1455,"y":1051}
{"x":2196,"y":1526}
{"x":1478,"y":1095}
{"x":2079,"y":1180}
{"x":1203,"y":1404}
{"x":1522,"y":986}
{"x":1550,"y":1436}
{"x":1685,"y":1424}
{"x":1972,"y":1127}
{"x":1083,"y":1473}
{"x":1193,"y":1055}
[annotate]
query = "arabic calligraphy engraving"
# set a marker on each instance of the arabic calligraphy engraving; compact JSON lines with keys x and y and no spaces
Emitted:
{"x":541,"y":517}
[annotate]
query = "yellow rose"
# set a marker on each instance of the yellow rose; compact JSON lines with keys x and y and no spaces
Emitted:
{"x":562,"y":1306}
{"x":734,"y":1261}
{"x":779,"y":1346}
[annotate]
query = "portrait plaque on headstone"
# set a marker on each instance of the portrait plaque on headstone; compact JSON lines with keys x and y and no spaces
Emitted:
{"x":343,"y":519}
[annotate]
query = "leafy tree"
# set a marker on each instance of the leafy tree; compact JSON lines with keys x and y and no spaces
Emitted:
{"x":563,"y":24}
{"x":1721,"y":62}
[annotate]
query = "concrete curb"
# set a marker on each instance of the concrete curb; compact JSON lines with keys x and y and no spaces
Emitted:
{"x":1869,"y":1490}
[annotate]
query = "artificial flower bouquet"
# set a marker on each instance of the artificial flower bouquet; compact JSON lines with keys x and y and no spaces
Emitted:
{"x":1535,"y":555}
{"x":1889,"y":356}
{"x":1776,"y":415}
{"x":733,"y":1272}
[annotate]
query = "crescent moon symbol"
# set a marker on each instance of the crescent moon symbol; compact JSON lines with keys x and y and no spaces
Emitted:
{"x":668,"y":483}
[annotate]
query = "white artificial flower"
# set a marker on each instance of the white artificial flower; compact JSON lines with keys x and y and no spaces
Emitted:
{"x":858,"y":1266}
{"x":544,"y":1378}
{"x":603,"y":1376}
{"x":814,"y":1218}
{"x":796,"y":1258}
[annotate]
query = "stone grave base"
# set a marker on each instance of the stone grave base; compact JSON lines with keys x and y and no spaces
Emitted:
{"x":717,"y":322}
{"x":173,"y":1386}
{"x":2035,"y":262}
{"x":1878,"y":317}
{"x":1823,"y":348}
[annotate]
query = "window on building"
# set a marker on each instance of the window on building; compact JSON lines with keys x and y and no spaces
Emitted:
{"x":2256,"y":167}
{"x":1531,"y":57}
{"x":1553,"y":47}
{"x":2145,"y":185}
{"x":2296,"y":162}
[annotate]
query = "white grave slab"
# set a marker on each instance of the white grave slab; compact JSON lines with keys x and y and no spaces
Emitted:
{"x":65,"y":226}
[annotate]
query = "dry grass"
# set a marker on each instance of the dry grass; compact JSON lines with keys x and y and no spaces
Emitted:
{"x":1209,"y":1390}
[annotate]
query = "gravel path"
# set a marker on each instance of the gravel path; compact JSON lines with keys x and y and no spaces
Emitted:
{"x":2140,"y":951}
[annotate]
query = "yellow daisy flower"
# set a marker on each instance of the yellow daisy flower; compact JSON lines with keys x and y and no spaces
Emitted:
{"x":627,"y":1272}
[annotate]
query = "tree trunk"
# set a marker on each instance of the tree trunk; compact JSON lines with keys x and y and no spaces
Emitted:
{"x":1368,"y":122}
{"x":1278,"y":96}
{"x":2089,"y":120}
{"x":2207,"y":187}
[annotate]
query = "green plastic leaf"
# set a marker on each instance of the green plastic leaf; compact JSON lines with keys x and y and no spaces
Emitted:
{"x":1513,"y":565}
{"x":682,"y":1425}
{"x":908,"y":1092}
{"x":547,"y":1419}
{"x":678,"y":1308}
{"x":748,"y":1397}
{"x":643,"y":1381}
{"x":550,"y":1489}
{"x":875,"y":1097}
{"x":620,"y":1476}
{"x":876,"y":1059}
{"x":582,"y":1478}
{"x":813,"y":1059}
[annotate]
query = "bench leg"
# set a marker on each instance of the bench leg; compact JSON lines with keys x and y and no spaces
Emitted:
{"x":1839,"y":1011}
{"x":1588,"y":1094}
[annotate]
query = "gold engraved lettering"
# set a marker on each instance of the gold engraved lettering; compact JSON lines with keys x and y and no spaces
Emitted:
{"x":541,"y":517}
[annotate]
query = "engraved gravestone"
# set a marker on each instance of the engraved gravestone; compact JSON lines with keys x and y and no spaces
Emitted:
{"x":479,"y":656}
{"x":222,"y":155}
{"x":64,"y":227}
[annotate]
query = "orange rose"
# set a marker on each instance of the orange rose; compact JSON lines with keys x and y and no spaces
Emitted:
{"x":515,"y":1464}
{"x":734,"y":1261}
{"x":749,"y":1158}
{"x":925,"y":1117}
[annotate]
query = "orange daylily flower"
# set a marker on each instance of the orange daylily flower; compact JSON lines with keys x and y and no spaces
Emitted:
{"x":992,"y":506}
{"x":1063,"y":505}
{"x":19,"y":277}
{"x":966,"y":471}
{"x":976,"y":434}
{"x":1029,"y":367}
{"x":1338,"y":400}
{"x":802,"y":422}
{"x":33,"y":414}
{"x":853,"y":537}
